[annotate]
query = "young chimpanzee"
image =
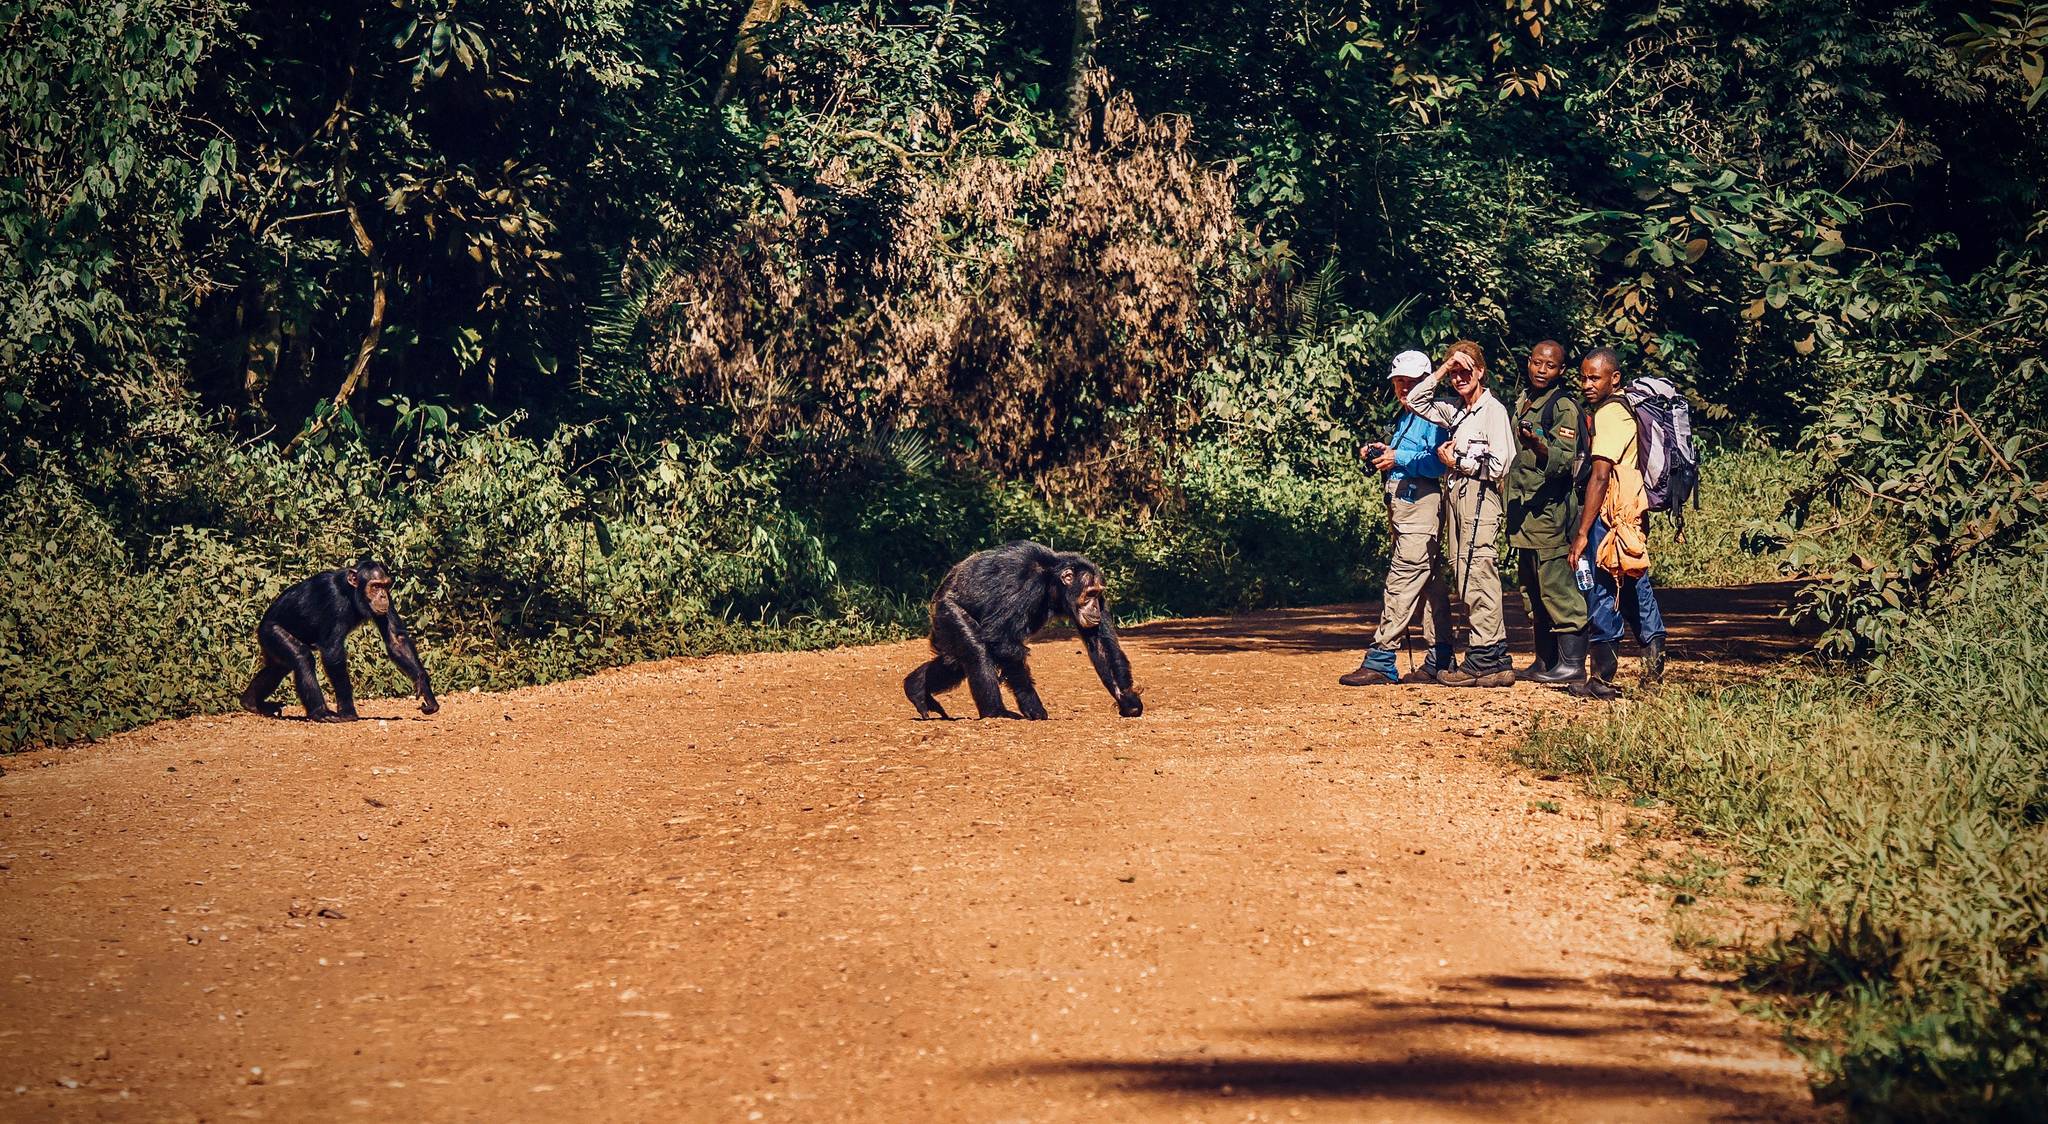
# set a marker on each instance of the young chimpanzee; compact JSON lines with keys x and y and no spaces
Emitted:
{"x":989,"y":605}
{"x":317,"y":615}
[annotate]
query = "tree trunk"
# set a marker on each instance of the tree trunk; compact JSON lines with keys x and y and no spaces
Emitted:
{"x":380,"y":283}
{"x":260,"y":351}
{"x":1080,"y":57}
{"x":745,"y":58}
{"x":380,"y":289}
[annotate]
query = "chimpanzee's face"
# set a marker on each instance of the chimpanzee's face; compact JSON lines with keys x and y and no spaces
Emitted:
{"x":1087,"y":596}
{"x":375,"y":582}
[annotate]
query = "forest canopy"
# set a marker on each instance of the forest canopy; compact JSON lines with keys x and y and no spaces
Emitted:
{"x":528,"y":299}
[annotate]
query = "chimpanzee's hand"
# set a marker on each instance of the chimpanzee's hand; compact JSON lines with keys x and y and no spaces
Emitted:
{"x":1129,"y":704}
{"x":429,"y":705}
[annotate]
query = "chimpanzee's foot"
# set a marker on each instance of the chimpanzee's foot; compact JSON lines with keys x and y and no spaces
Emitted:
{"x":1033,"y":710}
{"x":260,"y":706}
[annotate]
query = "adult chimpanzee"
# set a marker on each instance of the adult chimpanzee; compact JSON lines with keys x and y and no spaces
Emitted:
{"x":317,"y":615}
{"x":989,"y":605}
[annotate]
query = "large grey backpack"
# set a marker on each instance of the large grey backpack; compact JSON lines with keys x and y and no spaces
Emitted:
{"x":1671,"y":466}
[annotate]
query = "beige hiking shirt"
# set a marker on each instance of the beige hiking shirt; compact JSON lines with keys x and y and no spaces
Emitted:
{"x":1485,"y":424}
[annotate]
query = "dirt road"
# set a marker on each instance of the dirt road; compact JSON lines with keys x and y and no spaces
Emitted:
{"x":752,"y":888}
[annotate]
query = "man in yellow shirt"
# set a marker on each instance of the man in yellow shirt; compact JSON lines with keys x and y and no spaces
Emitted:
{"x":1612,"y":464}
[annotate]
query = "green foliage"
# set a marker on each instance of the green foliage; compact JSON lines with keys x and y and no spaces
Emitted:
{"x":1902,"y":813}
{"x":518,"y":561}
{"x":1242,"y":534}
{"x":1929,"y":443}
{"x":1742,"y":486}
{"x":101,"y":178}
{"x":2008,"y":43}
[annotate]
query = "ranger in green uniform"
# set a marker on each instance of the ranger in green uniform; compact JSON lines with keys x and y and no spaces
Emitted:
{"x":1540,"y":516}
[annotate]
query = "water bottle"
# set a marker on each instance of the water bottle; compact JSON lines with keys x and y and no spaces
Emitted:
{"x":1584,"y":573}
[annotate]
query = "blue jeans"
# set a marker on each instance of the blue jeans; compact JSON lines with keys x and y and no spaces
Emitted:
{"x":1606,"y":605}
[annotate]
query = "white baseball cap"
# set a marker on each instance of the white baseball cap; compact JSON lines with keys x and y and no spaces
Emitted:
{"x":1410,"y":365}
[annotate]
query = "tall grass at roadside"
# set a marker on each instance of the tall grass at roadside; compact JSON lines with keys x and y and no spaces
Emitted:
{"x":1903,"y":813}
{"x":1741,"y":485}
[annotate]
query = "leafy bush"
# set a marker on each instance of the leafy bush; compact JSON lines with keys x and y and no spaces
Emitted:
{"x":1903,"y":814}
{"x":1929,"y":445}
{"x":521,"y":560}
{"x":1241,"y":535}
{"x":1038,"y":309}
{"x":513,"y":567}
{"x":1745,"y":486}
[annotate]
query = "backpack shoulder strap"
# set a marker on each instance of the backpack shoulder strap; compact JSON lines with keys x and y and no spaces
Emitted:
{"x":1550,"y":411}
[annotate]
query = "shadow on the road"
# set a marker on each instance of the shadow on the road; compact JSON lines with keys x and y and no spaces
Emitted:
{"x":1480,"y":1040}
{"x":1333,"y":628}
{"x":1737,"y":623}
{"x":1448,"y":1077}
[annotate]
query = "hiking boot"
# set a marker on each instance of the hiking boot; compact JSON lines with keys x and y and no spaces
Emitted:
{"x":1571,"y":661}
{"x":1427,"y":674}
{"x":1653,"y":661}
{"x":1457,"y":677}
{"x":1600,"y":667}
{"x":1376,"y":670}
{"x":1467,"y":675}
{"x":1546,"y":657}
{"x":1485,"y":666}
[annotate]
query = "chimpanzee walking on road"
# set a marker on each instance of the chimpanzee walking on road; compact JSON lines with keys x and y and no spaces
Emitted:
{"x":317,"y":615}
{"x":989,"y":605}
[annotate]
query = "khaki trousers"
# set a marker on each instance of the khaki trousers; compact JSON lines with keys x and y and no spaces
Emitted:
{"x":1472,"y":538}
{"x":1412,"y":580}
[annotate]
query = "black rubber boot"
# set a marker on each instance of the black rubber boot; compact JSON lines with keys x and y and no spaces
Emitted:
{"x":1546,"y":656}
{"x":1653,"y":661}
{"x":1571,"y":662}
{"x":1600,"y":668}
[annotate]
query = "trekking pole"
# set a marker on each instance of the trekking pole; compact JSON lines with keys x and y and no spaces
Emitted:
{"x":1472,"y":544}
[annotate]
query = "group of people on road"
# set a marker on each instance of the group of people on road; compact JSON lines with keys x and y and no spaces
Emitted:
{"x":1562,"y":475}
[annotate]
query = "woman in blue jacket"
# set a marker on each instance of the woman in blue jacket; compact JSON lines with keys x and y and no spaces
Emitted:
{"x":1414,"y":513}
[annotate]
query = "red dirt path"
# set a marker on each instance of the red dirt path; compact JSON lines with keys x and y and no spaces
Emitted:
{"x":753,"y":888}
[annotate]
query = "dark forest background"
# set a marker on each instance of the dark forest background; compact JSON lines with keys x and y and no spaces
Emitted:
{"x":628,"y":329}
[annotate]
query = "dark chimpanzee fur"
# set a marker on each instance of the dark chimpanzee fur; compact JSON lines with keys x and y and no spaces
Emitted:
{"x":317,"y":615}
{"x":989,"y":605}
